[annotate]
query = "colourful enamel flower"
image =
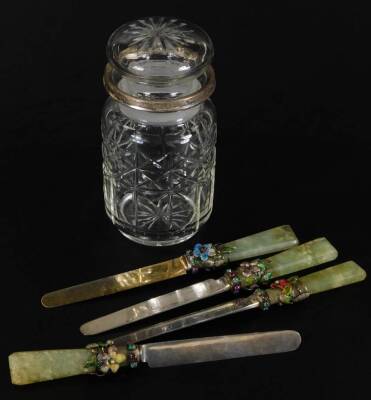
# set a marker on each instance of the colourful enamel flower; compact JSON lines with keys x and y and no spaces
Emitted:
{"x":279,"y":284}
{"x":202,"y":251}
{"x":105,"y":357}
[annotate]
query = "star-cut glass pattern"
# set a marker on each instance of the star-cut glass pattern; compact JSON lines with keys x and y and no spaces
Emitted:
{"x":156,"y":47}
{"x":160,"y":33}
{"x":158,"y":179}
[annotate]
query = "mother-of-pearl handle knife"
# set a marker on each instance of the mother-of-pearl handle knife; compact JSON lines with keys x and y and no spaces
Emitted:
{"x":100,"y":358}
{"x":201,"y":257}
{"x":281,"y":292}
{"x":248,"y":275}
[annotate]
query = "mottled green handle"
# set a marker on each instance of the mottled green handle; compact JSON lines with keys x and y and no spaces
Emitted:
{"x":45,"y":365}
{"x":297,"y":258}
{"x":266,"y":242}
{"x":296,"y":289}
{"x":333,"y":277}
{"x":37,"y":366}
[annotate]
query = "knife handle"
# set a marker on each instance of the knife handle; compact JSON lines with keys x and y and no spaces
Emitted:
{"x":296,"y":289}
{"x":298,"y":258}
{"x":215,"y":255}
{"x":334,"y":277}
{"x":250,"y":274}
{"x":266,"y":242}
{"x":38,"y":366}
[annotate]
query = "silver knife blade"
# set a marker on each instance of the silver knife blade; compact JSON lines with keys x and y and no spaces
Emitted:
{"x":156,"y":305}
{"x":192,"y":351}
{"x":184,"y":321}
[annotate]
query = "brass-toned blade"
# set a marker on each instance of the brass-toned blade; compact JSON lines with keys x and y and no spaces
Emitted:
{"x":116,"y":283}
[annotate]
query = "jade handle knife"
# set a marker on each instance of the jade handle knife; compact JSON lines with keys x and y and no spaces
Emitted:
{"x":281,"y":292}
{"x":247,"y":276}
{"x":101,"y":358}
{"x":201,"y":257}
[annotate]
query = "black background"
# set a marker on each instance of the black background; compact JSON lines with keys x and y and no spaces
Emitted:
{"x":293,"y":100}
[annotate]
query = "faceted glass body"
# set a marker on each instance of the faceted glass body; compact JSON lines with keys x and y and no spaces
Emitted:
{"x":158,"y":171}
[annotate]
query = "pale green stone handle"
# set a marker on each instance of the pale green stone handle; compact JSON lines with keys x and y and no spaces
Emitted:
{"x":333,"y":277}
{"x":297,"y":258}
{"x":266,"y":242}
{"x":297,"y":289}
{"x":37,"y":366}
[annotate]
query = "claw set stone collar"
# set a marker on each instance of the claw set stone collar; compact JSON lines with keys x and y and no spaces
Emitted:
{"x":248,"y":275}
{"x":105,"y":357}
{"x":207,"y":256}
{"x":292,"y":290}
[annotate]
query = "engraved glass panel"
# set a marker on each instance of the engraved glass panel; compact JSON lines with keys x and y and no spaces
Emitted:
{"x":158,"y":179}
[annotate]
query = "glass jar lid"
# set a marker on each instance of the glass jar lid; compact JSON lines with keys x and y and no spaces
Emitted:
{"x":159,"y":49}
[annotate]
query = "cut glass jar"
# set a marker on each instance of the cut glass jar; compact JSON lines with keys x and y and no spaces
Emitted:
{"x":159,"y":130}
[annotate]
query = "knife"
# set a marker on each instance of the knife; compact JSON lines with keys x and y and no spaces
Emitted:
{"x":248,"y":275}
{"x":281,"y":292}
{"x":201,"y":257}
{"x":101,"y":358}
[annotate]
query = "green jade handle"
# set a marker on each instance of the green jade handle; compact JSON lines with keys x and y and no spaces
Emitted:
{"x":251,"y":274}
{"x":28,"y":367}
{"x":215,"y":255}
{"x":297,"y":289}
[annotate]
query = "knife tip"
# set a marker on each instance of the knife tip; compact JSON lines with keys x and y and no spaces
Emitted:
{"x":54,"y":299}
{"x":87,"y":329}
{"x":296,"y":339}
{"x":45,"y":301}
